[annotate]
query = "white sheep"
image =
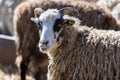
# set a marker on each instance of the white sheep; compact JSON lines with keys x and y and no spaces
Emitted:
{"x":108,"y":3}
{"x":116,"y":12}
{"x":77,"y":52}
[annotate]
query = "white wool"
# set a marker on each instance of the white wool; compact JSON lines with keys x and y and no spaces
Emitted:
{"x":107,"y":3}
{"x":50,"y":15}
{"x":116,"y":11}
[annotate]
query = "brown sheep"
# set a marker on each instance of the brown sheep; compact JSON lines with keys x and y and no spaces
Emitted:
{"x":93,"y":15}
{"x":27,"y":38}
{"x":27,"y":34}
{"x":90,"y":14}
{"x":77,"y":52}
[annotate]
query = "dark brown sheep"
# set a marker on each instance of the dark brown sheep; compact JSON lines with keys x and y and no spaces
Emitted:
{"x":27,"y":38}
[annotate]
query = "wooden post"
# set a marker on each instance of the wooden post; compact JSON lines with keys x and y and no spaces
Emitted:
{"x":7,"y":49}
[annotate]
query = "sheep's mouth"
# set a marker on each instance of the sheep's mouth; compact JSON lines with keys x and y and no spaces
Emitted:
{"x":44,"y":49}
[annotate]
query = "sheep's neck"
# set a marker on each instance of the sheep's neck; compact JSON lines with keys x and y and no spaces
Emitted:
{"x":68,"y":39}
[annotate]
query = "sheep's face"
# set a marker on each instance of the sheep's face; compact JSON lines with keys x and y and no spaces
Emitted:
{"x":49,"y":24}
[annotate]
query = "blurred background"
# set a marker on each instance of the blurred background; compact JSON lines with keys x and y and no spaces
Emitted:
{"x":8,"y":71}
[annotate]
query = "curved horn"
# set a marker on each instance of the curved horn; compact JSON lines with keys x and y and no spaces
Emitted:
{"x":37,"y":12}
{"x":68,"y":10}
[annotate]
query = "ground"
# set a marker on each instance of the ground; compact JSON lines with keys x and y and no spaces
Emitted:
{"x":10,"y":72}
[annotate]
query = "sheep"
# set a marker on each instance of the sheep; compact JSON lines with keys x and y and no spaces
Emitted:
{"x":92,"y":15}
{"x":27,"y":38}
{"x":113,"y":5}
{"x":108,"y":3}
{"x":115,"y":11}
{"x":26,"y":43}
{"x":77,"y":52}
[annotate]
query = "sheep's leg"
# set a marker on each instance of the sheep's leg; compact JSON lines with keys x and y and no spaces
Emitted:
{"x":23,"y":70}
{"x":37,"y":75}
{"x":41,"y":73}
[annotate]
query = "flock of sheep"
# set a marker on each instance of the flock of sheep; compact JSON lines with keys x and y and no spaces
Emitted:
{"x":89,"y":50}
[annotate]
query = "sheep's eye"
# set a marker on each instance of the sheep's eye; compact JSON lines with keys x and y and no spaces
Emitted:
{"x":57,"y":25}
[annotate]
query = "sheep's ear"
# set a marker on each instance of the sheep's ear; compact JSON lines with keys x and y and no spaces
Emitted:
{"x":69,"y":22}
{"x":34,"y":20}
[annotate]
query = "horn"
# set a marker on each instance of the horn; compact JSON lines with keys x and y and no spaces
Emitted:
{"x":68,"y":10}
{"x":37,"y":12}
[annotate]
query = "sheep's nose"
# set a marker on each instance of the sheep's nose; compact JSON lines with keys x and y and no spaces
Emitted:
{"x":44,"y":42}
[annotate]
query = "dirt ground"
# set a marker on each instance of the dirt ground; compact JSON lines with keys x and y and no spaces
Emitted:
{"x":10,"y":72}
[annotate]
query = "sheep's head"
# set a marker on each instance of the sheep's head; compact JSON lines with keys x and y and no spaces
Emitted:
{"x":51,"y":23}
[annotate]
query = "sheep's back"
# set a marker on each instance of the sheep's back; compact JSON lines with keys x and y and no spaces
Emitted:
{"x":95,"y":56}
